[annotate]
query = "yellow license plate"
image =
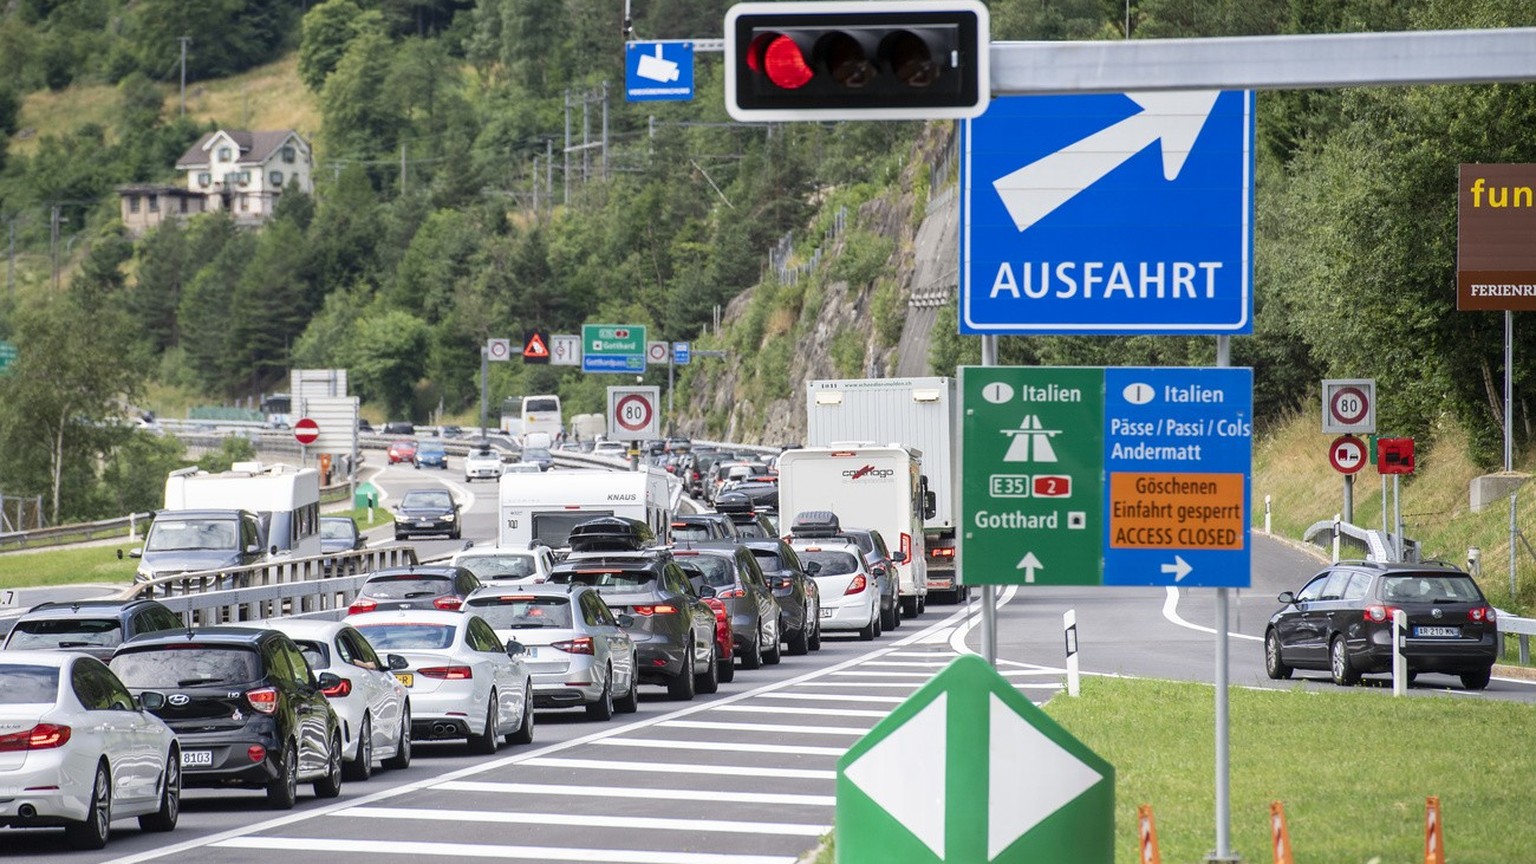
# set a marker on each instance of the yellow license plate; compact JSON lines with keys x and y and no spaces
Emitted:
{"x":406,"y":678}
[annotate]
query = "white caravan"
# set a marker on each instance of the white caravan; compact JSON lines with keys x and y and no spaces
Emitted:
{"x":284,"y":498}
{"x":867,"y":486}
{"x":543,"y":508}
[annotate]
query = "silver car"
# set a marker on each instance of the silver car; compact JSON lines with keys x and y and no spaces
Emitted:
{"x":578,"y":652}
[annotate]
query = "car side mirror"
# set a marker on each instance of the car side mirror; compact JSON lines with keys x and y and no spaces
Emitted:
{"x":136,"y":552}
{"x":626,"y":621}
{"x":328,"y":681}
{"x":514,"y":648}
{"x":396,"y":662}
{"x":707,"y":591}
{"x":812,"y":568}
{"x":150,"y":700}
{"x":930,"y":505}
{"x":1286,"y":598}
{"x":878,"y":570}
{"x":899,"y":557}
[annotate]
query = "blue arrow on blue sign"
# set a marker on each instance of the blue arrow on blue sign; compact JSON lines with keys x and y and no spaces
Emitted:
{"x":1108,"y":213}
{"x":658,"y":71}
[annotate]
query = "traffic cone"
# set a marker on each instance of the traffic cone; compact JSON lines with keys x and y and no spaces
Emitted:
{"x":1280,"y":834}
{"x":1148,"y":831}
{"x":1434,"y":837}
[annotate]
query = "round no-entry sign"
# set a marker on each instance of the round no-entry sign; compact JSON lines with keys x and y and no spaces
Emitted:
{"x":1347,"y":454}
{"x":306,"y":431}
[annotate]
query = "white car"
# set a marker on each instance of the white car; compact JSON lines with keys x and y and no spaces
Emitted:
{"x":462,"y":680}
{"x":611,"y":449}
{"x":503,"y":566}
{"x":77,"y":752}
{"x":850,"y":595}
{"x":482,"y":464}
{"x":370,"y":702}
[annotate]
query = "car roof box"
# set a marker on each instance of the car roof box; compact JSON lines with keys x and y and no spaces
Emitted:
{"x":815,"y":523}
{"x":733,"y":502}
{"x":611,"y":534}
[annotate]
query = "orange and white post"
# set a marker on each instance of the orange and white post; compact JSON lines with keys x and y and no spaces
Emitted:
{"x":1147,"y":828}
{"x":1434,"y":836}
{"x":1280,"y":833}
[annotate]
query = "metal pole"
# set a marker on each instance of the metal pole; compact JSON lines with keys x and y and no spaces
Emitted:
{"x":1223,"y":723}
{"x":567,"y":198}
{"x":1397,"y":513}
{"x":485,"y":376}
{"x":184,"y":40}
{"x":605,"y":130}
{"x":1509,"y":394}
{"x":10,"y":261}
{"x":1513,"y":531}
{"x":989,"y":592}
{"x":671,"y":382}
{"x":1349,"y":498}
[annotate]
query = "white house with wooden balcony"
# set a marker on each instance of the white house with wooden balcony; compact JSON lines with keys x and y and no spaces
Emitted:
{"x":242,"y":173}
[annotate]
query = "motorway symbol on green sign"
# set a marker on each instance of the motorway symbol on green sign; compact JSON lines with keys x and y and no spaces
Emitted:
{"x":613,"y":348}
{"x":969,"y":771}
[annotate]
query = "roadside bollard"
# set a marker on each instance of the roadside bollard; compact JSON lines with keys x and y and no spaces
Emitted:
{"x":1147,"y":831}
{"x":1280,"y":833}
{"x":1434,"y":839}
{"x":1069,"y":628}
{"x":1399,"y":662}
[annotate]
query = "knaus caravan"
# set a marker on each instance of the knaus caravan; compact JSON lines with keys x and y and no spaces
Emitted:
{"x":543,"y":508}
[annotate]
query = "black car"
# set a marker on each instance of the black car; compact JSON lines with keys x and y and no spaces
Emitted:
{"x":424,"y":586}
{"x":797,"y":595}
{"x":94,"y":627}
{"x":245,"y":705}
{"x":703,"y":526}
{"x":427,"y":511}
{"x":749,"y":522}
{"x":1341,"y":622}
{"x":739,"y":583}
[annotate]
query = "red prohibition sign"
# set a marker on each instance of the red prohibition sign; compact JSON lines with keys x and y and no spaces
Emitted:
{"x":1346,"y":454}
{"x":306,"y":431}
{"x":633,"y":412}
{"x":1341,"y":403}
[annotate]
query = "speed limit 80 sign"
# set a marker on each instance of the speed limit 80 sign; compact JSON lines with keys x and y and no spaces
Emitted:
{"x":633,"y":413}
{"x":1349,"y":405}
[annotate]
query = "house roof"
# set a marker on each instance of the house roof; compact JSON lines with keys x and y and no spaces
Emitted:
{"x":255,"y":147}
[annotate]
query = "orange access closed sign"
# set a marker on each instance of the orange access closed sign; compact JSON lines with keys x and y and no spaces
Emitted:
{"x":1176,"y":511}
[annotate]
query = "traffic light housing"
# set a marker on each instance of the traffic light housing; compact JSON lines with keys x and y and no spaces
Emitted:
{"x":856,"y":60}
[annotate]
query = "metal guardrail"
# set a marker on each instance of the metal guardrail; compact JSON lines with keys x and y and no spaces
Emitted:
{"x":60,"y":534}
{"x":1379,"y":545}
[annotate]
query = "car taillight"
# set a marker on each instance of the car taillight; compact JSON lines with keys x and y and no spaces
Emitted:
{"x":43,"y":736}
{"x":1482,"y":614}
{"x":658,"y":609}
{"x":784,"y":583}
{"x":343,"y":688}
{"x":361,"y":605}
{"x":727,"y":593}
{"x":858,"y":584}
{"x":942,"y":552}
{"x":448,"y":673}
{"x":574,"y":646}
{"x":1379,"y":614}
{"x":448,"y":604}
{"x":263,"y":699}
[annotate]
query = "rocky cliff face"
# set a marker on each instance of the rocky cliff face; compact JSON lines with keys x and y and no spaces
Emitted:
{"x":725,"y":401}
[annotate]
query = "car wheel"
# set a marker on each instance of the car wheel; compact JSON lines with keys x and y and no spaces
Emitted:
{"x":487,"y":741}
{"x":1344,"y":673}
{"x":869,"y":631}
{"x":329,"y":786}
{"x":752,"y":657}
{"x":283,"y":790}
{"x":602,"y":709}
{"x":524,"y":733}
{"x":399,"y":537}
{"x":725,"y":665}
{"x":800,"y":642}
{"x":629,"y":703}
{"x":402,"y":757}
{"x":456,"y":534}
{"x":92,"y":831}
{"x":709,"y":681}
{"x":814,"y":642}
{"x":1272,"y":665}
{"x":1476,"y":679}
{"x":774,"y":652}
{"x":361,"y":768}
{"x":908,"y":607}
{"x":682,"y":686}
{"x":164,"y":819}
{"x":888,"y":617}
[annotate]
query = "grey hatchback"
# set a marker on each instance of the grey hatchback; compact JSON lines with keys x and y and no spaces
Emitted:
{"x":425,"y":586}
{"x":94,"y":627}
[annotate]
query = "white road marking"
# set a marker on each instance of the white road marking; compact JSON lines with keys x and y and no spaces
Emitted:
{"x":586,"y":820}
{"x":766,"y":727}
{"x":1171,"y":612}
{"x":910,"y":664}
{"x":358,"y":849}
{"x":681,"y":768}
{"x":814,"y":710}
{"x":664,"y":744}
{"x":840,"y":684}
{"x":830,"y":697}
{"x":716,"y":795}
{"x":860,"y":670}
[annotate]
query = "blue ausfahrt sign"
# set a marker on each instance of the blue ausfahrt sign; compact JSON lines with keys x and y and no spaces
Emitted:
{"x":658,"y":71}
{"x":1108,"y":213}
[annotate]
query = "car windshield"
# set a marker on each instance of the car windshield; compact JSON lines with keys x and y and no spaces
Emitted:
{"x":832,"y":563}
{"x":337,"y":529}
{"x":66,"y":633}
{"x":768,"y":560}
{"x":27,"y":685}
{"x":605,"y":578}
{"x":406,"y":636}
{"x":504,"y":566}
{"x":523,"y":612}
{"x":174,"y":535}
{"x":316,"y":653}
{"x":427,"y":499}
{"x":187,"y":665}
{"x":1430,"y":588}
{"x":407,"y":587}
{"x":536,"y":454}
{"x":554,"y":529}
{"x":687,"y":531}
{"x":430,"y":448}
{"x":714,"y":570}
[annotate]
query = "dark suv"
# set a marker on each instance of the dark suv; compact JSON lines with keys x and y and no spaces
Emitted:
{"x":94,"y":627}
{"x":796,"y":592}
{"x":245,"y":705}
{"x":1341,"y":622}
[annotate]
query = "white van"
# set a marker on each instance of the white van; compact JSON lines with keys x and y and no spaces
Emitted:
{"x":867,"y":486}
{"x":545,"y":507}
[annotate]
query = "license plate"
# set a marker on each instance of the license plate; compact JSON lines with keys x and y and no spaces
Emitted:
{"x":406,"y":678}
{"x":1437,"y":632}
{"x":425,"y":523}
{"x":196,"y":758}
{"x":531,"y":652}
{"x":827,"y":613}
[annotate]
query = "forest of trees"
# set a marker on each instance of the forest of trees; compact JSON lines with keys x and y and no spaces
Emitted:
{"x":401,"y":274}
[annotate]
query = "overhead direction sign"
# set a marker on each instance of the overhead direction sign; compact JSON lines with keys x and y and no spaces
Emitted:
{"x":633,"y":414}
{"x":1093,"y":476}
{"x":939,"y":780}
{"x":658,"y":71}
{"x":536,"y":346}
{"x":613,"y":348}
{"x":1108,"y":213}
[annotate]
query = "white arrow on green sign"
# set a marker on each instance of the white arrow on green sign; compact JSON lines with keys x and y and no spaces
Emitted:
{"x":969,"y":771}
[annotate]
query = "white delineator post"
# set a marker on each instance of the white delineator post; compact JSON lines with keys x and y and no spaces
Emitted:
{"x":1336,"y":520}
{"x":1399,"y":662}
{"x":1069,"y":629}
{"x":1266,"y":516}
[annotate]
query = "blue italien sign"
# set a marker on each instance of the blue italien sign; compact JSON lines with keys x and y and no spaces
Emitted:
{"x":682,"y":353}
{"x":658,"y":71}
{"x":1108,"y":213}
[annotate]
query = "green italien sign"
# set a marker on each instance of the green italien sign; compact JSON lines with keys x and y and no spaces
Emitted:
{"x":969,"y":771}
{"x":613,"y":348}
{"x":7,"y":356}
{"x":1032,"y":475}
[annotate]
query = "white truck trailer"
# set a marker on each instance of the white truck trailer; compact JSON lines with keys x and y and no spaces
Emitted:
{"x":916,"y":413}
{"x":867,"y":486}
{"x":543,"y":508}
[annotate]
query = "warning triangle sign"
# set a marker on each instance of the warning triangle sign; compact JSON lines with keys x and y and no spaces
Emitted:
{"x":536,"y":347}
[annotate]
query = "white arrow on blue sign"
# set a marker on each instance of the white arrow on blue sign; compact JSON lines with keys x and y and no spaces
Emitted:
{"x":1108,"y":213}
{"x":658,"y":71}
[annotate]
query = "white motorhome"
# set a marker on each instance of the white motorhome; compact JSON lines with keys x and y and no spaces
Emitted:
{"x":543,"y":508}
{"x":286,"y":500}
{"x":867,"y":486}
